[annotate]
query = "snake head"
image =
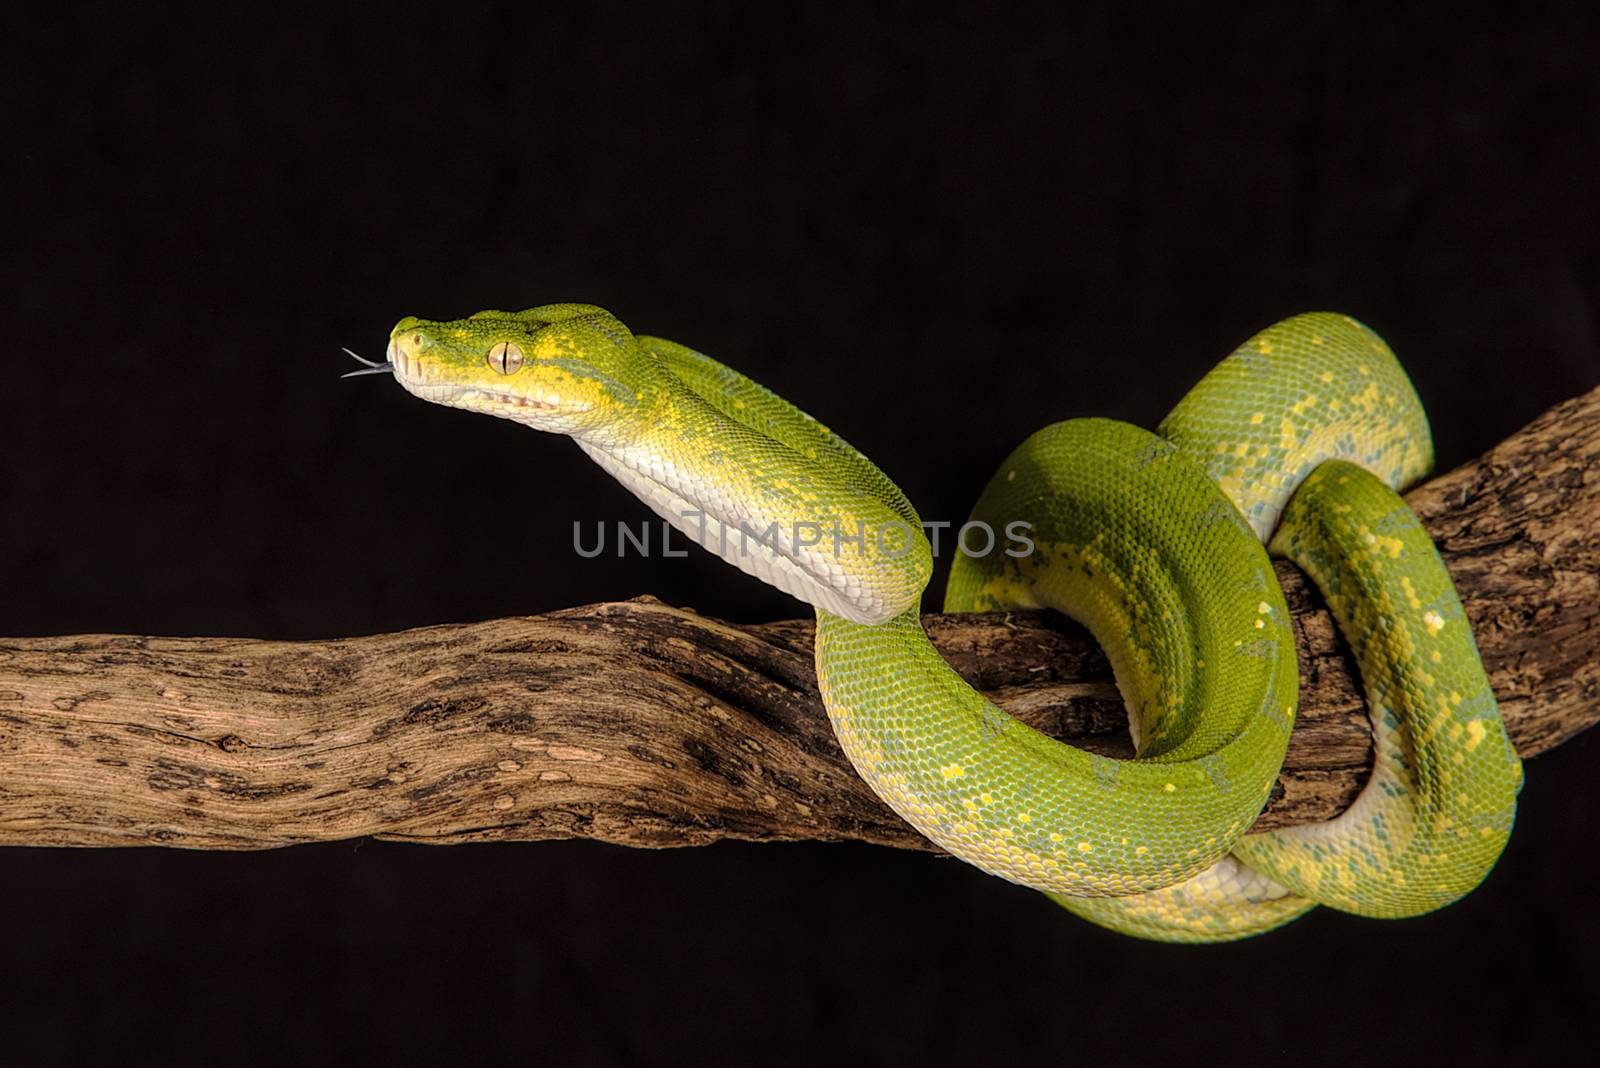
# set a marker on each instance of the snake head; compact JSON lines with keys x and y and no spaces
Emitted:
{"x":567,"y":368}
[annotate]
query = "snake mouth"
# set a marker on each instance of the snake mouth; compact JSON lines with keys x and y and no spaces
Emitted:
{"x":492,"y":402}
{"x":513,"y":405}
{"x":516,"y":404}
{"x":516,"y":400}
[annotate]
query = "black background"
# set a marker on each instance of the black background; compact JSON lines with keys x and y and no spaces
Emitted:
{"x":937,"y":233}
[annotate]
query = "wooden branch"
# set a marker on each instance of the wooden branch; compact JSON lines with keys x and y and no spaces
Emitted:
{"x":647,"y":725}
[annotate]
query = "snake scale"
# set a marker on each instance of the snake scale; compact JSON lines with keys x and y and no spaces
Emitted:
{"x":1300,"y":439}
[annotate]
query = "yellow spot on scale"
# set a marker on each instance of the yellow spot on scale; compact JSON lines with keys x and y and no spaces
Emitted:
{"x":1436,"y":656}
{"x":1263,"y":607}
{"x":1264,"y":347}
{"x":1316,"y":339}
{"x":1475,"y":734}
{"x":1434,"y":621}
{"x":1257,"y":417}
{"x":1261,"y":625}
{"x":1141,"y":850}
{"x":1327,"y":378}
{"x":952,"y":771}
{"x":1085,"y":847}
{"x":986,"y":797}
{"x":1024,"y":818}
{"x":1055,"y":836}
{"x":1169,"y":788}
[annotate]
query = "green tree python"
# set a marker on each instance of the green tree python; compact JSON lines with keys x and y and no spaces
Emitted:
{"x":1300,"y":439}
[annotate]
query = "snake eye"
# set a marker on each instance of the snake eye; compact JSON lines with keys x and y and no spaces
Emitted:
{"x":505,"y":357}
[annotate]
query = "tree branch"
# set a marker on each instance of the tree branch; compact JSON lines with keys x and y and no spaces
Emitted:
{"x":647,"y":725}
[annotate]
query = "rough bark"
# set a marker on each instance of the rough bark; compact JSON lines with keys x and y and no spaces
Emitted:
{"x":647,"y":725}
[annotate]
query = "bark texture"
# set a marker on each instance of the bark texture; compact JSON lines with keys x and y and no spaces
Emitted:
{"x":647,"y":725}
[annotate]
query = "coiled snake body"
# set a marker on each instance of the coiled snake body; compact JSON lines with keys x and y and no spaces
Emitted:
{"x":1302,"y":436}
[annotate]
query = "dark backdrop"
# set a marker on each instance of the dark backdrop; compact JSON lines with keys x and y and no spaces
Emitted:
{"x":937,"y":233}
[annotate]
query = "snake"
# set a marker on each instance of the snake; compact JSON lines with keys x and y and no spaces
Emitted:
{"x":1298,"y":445}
